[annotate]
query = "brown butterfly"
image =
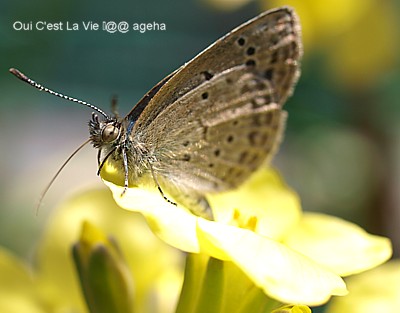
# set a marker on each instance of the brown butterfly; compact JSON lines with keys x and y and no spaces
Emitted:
{"x":214,"y":121}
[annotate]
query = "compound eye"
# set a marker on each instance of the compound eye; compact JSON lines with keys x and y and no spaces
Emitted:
{"x":110,"y":133}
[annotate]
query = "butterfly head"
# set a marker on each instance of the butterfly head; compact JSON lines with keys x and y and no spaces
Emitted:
{"x":104,"y":132}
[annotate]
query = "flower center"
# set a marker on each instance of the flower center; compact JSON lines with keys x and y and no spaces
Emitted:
{"x":242,"y":221}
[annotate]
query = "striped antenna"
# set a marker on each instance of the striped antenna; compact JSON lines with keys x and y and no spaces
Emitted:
{"x":31,"y":82}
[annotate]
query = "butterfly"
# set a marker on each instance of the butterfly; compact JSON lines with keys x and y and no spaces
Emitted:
{"x":210,"y":124}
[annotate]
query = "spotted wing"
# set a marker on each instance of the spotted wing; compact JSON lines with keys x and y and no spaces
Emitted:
{"x":270,"y":43}
{"x":216,"y":135}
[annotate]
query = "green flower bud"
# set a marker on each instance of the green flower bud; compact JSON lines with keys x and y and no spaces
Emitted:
{"x":105,"y":278}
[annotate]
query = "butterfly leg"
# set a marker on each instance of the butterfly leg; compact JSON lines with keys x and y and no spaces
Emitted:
{"x":195,"y":202}
{"x":164,"y":196}
{"x":159,"y":187}
{"x":126,"y":169}
{"x":98,"y":159}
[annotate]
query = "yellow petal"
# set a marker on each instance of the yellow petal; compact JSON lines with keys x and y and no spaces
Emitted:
{"x":17,"y":290}
{"x":173,"y":224}
{"x":281,"y":272}
{"x":264,"y":196}
{"x":374,"y":291}
{"x":341,"y":246}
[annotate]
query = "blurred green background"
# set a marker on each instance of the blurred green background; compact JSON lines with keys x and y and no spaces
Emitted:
{"x":341,"y":151}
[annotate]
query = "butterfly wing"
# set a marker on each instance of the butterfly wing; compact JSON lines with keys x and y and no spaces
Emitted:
{"x":219,"y":117}
{"x":270,"y":42}
{"x":217,"y":143}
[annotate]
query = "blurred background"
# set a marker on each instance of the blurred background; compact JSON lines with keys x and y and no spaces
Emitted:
{"x":341,"y":151}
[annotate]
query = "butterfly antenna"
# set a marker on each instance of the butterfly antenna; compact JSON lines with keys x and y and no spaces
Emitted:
{"x":31,"y":82}
{"x":56,"y":175}
{"x":114,"y":106}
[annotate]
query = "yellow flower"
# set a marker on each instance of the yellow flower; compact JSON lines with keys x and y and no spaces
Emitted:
{"x":53,"y":285}
{"x":377,"y":290}
{"x":258,"y":228}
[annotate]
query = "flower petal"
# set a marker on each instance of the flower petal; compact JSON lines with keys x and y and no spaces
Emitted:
{"x":264,"y":196}
{"x":17,"y":291}
{"x":173,"y":224}
{"x":343,"y":247}
{"x":281,"y":272}
{"x":374,"y":291}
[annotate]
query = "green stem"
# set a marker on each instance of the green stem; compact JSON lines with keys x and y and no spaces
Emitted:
{"x":192,"y":284}
{"x":256,"y":301}
{"x":211,"y":293}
